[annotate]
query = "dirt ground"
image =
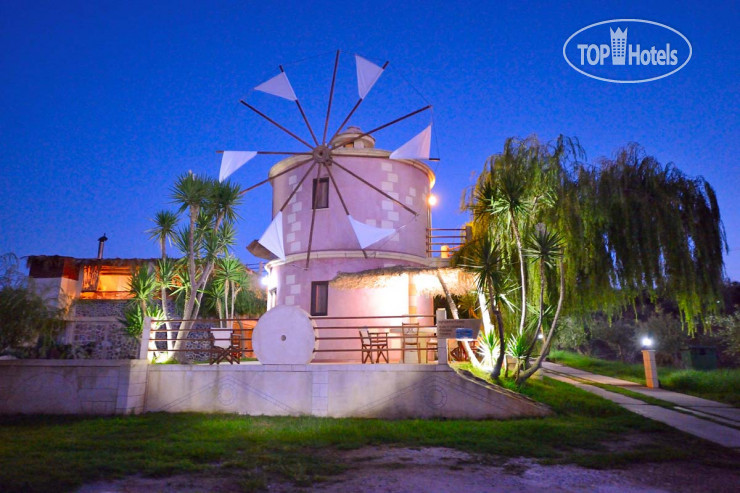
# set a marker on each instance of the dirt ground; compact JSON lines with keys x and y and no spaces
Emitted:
{"x":442,"y":470}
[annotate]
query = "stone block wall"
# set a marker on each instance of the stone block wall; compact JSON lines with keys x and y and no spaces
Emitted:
{"x":372,"y":391}
{"x":96,"y":324}
{"x":72,"y":387}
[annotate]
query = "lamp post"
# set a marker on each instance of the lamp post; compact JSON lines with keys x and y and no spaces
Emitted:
{"x":648,"y":359}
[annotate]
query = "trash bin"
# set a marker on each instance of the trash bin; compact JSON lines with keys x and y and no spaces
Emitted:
{"x":700,"y":357}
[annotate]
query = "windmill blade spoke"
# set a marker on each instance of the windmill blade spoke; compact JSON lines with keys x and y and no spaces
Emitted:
{"x":297,"y":165}
{"x":331,"y":97}
{"x":276,"y":124}
{"x":349,"y":141}
{"x":278,"y":153}
{"x":313,"y":217}
{"x":333,"y":182}
{"x":295,"y":190}
{"x":285,"y":153}
{"x":303,"y":114}
{"x":344,"y":206}
{"x":352,"y":111}
{"x":357,"y":105}
{"x":375,"y":188}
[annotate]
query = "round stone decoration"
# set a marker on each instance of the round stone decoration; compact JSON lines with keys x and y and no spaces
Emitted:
{"x":284,"y":335}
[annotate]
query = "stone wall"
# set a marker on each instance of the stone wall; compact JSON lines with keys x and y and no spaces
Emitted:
{"x":72,"y":387}
{"x":371,"y":391}
{"x":95,"y":324}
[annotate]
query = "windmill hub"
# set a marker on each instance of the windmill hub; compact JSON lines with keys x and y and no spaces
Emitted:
{"x":322,"y":155}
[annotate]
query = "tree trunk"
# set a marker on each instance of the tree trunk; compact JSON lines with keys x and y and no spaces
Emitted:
{"x":190,"y":300}
{"x":522,"y":272}
{"x":539,"y":319}
{"x":546,"y":346}
{"x":496,"y":372}
{"x":163,"y":295}
{"x":450,"y":302}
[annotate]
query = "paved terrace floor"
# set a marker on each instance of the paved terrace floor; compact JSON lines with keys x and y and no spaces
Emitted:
{"x":710,"y":420}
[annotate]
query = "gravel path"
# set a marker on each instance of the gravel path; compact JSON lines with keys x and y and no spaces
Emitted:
{"x":441,"y":470}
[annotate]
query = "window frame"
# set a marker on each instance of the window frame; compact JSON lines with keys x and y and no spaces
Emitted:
{"x":323,"y":183}
{"x":314,"y":286}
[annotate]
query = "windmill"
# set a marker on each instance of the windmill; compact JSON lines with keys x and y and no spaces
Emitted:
{"x":321,"y":157}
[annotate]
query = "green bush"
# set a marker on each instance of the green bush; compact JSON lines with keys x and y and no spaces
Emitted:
{"x":24,"y":313}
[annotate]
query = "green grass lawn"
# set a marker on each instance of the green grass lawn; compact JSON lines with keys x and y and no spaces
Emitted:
{"x":52,"y":453}
{"x":719,"y":385}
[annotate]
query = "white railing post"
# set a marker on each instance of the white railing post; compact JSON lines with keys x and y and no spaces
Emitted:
{"x":146,"y":334}
{"x":441,"y":343}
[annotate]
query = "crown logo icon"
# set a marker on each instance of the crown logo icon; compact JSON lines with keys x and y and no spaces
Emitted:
{"x":619,"y":45}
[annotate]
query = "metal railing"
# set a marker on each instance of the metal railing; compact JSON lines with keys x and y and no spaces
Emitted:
{"x":342,"y":338}
{"x":198,"y":341}
{"x":442,"y":242}
{"x":336,"y":336}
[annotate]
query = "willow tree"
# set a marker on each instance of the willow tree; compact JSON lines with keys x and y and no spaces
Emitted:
{"x":577,"y":239}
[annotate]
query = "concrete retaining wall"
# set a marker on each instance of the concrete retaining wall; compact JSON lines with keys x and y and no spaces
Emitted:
{"x":373,"y":391}
{"x":72,"y":386}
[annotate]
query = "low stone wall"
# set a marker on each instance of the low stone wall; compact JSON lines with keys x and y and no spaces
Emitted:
{"x":72,"y":386}
{"x":372,"y":391}
{"x":96,"y":324}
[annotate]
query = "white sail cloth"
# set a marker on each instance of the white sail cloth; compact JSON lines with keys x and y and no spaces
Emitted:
{"x":232,"y":161}
{"x":367,"y":75}
{"x":278,"y":86}
{"x":366,"y":234}
{"x":416,"y":148}
{"x":272,"y":238}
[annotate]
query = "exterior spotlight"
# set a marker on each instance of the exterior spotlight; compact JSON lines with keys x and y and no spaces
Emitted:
{"x":648,"y":359}
{"x":432,"y":200}
{"x":265,"y":280}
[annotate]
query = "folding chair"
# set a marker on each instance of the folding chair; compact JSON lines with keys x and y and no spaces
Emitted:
{"x":223,"y":347}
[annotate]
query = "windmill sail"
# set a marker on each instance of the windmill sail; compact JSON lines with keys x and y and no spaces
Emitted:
{"x":272,"y":239}
{"x":366,"y":234}
{"x":367,"y":75}
{"x":416,"y":148}
{"x":232,"y":161}
{"x":278,"y":86}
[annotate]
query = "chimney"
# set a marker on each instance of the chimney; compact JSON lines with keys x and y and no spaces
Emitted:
{"x":101,"y":244}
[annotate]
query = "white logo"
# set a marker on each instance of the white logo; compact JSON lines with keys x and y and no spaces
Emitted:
{"x":654,"y":53}
{"x":619,"y":42}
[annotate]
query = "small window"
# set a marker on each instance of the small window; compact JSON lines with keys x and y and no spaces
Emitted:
{"x":319,"y":297}
{"x":321,"y":193}
{"x":272,"y":298}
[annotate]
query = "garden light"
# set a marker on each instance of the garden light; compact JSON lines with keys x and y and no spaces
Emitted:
{"x":647,"y":342}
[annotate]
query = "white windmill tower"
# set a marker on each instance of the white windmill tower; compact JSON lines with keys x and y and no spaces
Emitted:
{"x":342,"y":205}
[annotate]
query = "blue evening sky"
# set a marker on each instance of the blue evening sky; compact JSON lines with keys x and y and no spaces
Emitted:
{"x":103,"y":104}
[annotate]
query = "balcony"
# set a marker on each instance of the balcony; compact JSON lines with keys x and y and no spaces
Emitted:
{"x":443,"y":242}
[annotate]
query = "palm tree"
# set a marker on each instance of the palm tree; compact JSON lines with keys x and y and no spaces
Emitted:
{"x":483,"y":257}
{"x":163,"y":231}
{"x":165,"y":223}
{"x":211,"y":208}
